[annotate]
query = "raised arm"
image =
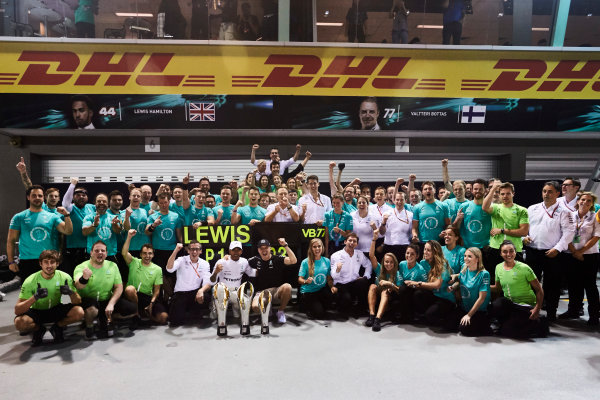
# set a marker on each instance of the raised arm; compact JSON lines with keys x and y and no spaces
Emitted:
{"x":332,"y":186}
{"x":253,"y":153}
{"x":489,"y":199}
{"x":125,"y":251}
{"x":297,"y":152}
{"x":22,"y":168}
{"x":446,"y":175}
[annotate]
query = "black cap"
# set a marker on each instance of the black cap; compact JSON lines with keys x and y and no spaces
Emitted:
{"x":264,"y":242}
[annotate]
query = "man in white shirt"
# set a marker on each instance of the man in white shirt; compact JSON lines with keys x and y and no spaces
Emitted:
{"x":348,"y":285}
{"x":551,"y":229}
{"x":229,"y":271}
{"x":192,"y":289}
{"x":282,"y":211}
{"x":570,"y":187}
{"x":274,"y":156}
{"x":317,"y":204}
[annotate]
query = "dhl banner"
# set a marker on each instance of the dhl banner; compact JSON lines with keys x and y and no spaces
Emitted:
{"x":126,"y":68}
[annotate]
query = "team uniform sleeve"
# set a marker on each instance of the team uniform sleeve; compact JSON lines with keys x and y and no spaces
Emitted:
{"x":484,"y":284}
{"x":303,"y":271}
{"x":117,"y":280}
{"x":523,"y":216}
{"x":567,"y":226}
{"x":529,"y":274}
{"x":334,"y":260}
{"x":15,"y":222}
{"x":87,"y":221}
{"x":159,"y":277}
{"x":248,"y":270}
{"x":365,"y":262}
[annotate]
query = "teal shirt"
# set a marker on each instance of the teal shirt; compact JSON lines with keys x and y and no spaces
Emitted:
{"x":455,"y":257}
{"x":193,"y":215}
{"x":85,"y":12}
{"x":76,"y":240}
{"x":453,"y":206}
{"x":102,"y":232}
{"x":443,"y":292}
{"x":138,"y":220}
{"x":36,"y":232}
{"x":416,"y":273}
{"x":55,"y":233}
{"x":248,"y":213}
{"x":425,"y":266}
{"x":322,"y":270}
{"x":471,"y":283}
{"x":431,"y":219}
{"x":147,"y":207}
{"x":226,"y":217}
{"x":476,"y":225}
{"x":164,"y":236}
{"x":178,"y":210}
{"x":349,"y":208}
{"x":343,"y":221}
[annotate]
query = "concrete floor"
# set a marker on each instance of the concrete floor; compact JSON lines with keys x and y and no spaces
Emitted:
{"x":300,"y":360}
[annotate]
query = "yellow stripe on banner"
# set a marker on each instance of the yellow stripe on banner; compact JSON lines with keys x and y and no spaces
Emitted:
{"x":133,"y":68}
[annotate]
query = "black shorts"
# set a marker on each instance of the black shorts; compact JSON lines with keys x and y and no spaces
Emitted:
{"x":47,"y":316}
{"x":123,"y":306}
{"x":144,"y":301}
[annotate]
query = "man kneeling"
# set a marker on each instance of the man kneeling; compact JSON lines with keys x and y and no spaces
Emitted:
{"x":270,"y":275}
{"x":144,"y":281}
{"x":40,"y":301}
{"x":99,"y":283}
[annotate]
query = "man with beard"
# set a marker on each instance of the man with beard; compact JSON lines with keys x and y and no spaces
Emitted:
{"x":40,"y":301}
{"x":99,"y":284}
{"x":270,"y":275}
{"x":135,"y":217}
{"x":430,"y":217}
{"x":199,"y":214}
{"x":82,"y":108}
{"x":102,"y":226}
{"x":317,"y":204}
{"x":34,"y":230}
{"x":75,"y":202}
{"x":368,"y":114}
{"x":224,"y":210}
{"x":474,"y":223}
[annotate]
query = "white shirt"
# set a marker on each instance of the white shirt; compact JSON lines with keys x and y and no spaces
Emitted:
{"x":378,"y":211}
{"x":191,"y":276}
{"x":233,"y":271}
{"x":350,"y":266}
{"x":282,"y":215}
{"x":586,"y":227}
{"x":283,"y":164}
{"x":550,"y":228}
{"x":571,"y":205}
{"x":398,"y":229}
{"x":315,"y":210}
{"x":362,"y":227}
{"x":89,"y":126}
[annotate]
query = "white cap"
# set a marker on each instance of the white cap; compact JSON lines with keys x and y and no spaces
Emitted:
{"x":235,"y":244}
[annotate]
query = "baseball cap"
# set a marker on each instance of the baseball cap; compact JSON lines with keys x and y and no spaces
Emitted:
{"x":264,"y":242}
{"x":235,"y":244}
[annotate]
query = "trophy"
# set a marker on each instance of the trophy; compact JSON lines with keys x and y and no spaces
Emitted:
{"x":244,"y":294}
{"x":221,"y":299}
{"x":264,"y":303}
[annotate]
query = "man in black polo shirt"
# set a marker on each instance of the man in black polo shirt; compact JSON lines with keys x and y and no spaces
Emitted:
{"x":271,"y":275}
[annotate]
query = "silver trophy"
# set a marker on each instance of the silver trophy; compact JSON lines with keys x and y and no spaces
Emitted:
{"x":244,"y":295}
{"x":264,"y":303}
{"x":221,"y":299}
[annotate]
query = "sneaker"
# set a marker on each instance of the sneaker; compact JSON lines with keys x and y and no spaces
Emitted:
{"x":38,"y":336}
{"x":2,"y":296}
{"x":134,"y":323}
{"x":376,"y":325}
{"x":569,"y":315}
{"x":57,"y":333}
{"x":89,"y":333}
{"x":369,"y":321}
{"x":281,"y":317}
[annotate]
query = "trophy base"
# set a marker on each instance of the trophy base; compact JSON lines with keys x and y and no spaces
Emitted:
{"x":222,"y":331}
{"x":245,"y":330}
{"x":264,"y":330}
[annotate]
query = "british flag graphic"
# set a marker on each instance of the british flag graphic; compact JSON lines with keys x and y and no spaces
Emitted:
{"x":201,"y":112}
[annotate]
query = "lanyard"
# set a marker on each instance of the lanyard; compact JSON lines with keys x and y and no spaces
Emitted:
{"x":400,"y":219}
{"x":196,"y":268}
{"x":546,"y":210}
{"x":318,"y":202}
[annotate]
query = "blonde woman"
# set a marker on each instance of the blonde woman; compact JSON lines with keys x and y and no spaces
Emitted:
{"x":433,"y":299}
{"x":315,"y":280}
{"x":474,"y":283}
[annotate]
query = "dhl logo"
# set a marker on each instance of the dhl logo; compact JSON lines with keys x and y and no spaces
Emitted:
{"x":54,"y":68}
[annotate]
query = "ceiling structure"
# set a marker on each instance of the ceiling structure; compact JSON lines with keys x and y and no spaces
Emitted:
{"x":490,"y":23}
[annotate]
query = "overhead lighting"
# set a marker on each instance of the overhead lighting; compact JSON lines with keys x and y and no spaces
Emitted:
{"x":540,"y":29}
{"x":330,"y":24}
{"x":430,"y":26}
{"x":125,"y":14}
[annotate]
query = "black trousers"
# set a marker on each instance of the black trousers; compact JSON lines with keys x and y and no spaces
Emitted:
{"x":168,"y":287}
{"x":479,"y":326}
{"x":184,"y":302}
{"x":315,"y":304}
{"x":405,"y":309}
{"x":122,"y":306}
{"x":452,"y":30}
{"x":437,"y":311}
{"x":72,"y":257}
{"x":582,"y":277}
{"x":514,"y":320}
{"x":348,"y":292}
{"x":548,"y":271}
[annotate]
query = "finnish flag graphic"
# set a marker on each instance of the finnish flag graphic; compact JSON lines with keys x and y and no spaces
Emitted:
{"x":472,"y":115}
